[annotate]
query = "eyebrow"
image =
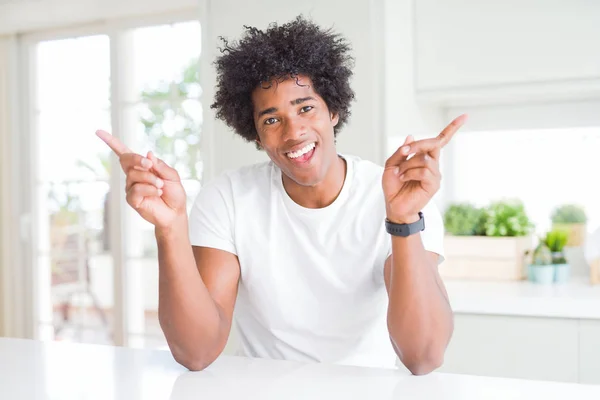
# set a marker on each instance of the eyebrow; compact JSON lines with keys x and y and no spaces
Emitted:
{"x":271,"y":110}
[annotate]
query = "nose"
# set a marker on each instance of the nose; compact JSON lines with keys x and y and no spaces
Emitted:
{"x":294,"y":128}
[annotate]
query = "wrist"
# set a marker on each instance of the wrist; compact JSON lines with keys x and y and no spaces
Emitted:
{"x":176,"y":228}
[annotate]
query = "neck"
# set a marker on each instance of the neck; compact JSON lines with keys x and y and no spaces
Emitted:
{"x":322,"y":194}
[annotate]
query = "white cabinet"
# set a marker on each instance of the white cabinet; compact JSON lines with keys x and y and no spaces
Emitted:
{"x":556,"y":349}
{"x":589,"y":352}
{"x":463,"y":44}
{"x":515,"y":347}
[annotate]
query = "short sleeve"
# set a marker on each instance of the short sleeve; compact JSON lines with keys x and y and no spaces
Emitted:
{"x":211,"y":217}
{"x":433,"y":235}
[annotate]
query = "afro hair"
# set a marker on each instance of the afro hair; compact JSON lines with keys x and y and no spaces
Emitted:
{"x":299,"y":47}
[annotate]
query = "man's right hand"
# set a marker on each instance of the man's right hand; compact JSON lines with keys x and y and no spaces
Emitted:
{"x":153,"y":188}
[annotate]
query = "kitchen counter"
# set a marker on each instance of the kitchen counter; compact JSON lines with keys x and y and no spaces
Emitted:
{"x":576,"y":299}
{"x":53,"y":370}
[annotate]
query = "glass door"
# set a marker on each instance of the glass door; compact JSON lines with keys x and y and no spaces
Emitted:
{"x":95,"y":266}
{"x":72,"y":262}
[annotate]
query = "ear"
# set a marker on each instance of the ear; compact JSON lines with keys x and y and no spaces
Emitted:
{"x":258,"y":144}
{"x":335,"y":118}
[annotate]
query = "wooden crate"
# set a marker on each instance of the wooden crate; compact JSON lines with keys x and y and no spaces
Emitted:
{"x":485,"y":258}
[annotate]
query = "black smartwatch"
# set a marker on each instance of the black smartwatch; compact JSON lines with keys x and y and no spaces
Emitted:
{"x":405,"y":230}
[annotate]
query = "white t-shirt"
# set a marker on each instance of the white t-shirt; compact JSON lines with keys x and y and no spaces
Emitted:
{"x":312,"y":285}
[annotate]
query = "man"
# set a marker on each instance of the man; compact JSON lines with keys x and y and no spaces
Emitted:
{"x":326,"y":257}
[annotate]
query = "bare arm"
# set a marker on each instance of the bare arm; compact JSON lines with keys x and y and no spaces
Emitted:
{"x":197,"y":292}
{"x":197,"y":288}
{"x":420,"y":320}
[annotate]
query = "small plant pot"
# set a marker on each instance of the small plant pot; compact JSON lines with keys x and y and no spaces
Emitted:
{"x":543,"y":274}
{"x":562,"y":273}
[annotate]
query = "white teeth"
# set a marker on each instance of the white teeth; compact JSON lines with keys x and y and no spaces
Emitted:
{"x":302,"y":151}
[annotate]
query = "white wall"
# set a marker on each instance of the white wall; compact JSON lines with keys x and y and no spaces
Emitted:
{"x":4,"y":212}
{"x":533,"y":115}
{"x":488,"y":42}
{"x":11,"y":293}
{"x":360,"y":23}
{"x":403,"y":114}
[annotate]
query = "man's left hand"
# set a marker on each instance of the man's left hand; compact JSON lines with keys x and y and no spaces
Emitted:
{"x":412,"y":174}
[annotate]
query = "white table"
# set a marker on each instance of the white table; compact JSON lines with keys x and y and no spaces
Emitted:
{"x":51,"y":370}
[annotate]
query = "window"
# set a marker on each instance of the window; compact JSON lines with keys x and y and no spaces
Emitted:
{"x":157,"y":107}
{"x":543,"y":168}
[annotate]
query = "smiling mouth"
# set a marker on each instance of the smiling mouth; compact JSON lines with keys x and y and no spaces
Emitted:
{"x":303,"y":155}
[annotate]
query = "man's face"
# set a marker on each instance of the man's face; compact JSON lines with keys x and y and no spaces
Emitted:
{"x":295,"y":128}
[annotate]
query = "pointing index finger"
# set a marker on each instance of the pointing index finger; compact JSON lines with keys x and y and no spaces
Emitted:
{"x":434,"y":145}
{"x":449,"y":131}
{"x":115,"y":144}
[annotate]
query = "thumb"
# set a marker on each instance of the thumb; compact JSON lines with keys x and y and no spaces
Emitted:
{"x":162,"y":169}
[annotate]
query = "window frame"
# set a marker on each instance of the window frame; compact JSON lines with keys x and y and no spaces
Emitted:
{"x":25,"y":317}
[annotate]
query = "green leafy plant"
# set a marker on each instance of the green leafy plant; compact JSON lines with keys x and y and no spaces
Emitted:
{"x":569,"y":214}
{"x":556,"y":240}
{"x":506,"y":218}
{"x":463,"y":219}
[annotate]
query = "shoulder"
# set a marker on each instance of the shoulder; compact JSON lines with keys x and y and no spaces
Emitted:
{"x":365,"y":179}
{"x":219,"y":198}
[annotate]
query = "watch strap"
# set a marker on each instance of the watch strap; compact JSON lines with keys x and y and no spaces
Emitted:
{"x":405,"y":230}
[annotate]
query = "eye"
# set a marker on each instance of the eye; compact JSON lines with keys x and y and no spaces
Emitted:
{"x":306,"y":109}
{"x":270,"y":121}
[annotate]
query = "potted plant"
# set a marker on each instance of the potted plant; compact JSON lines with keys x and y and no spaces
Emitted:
{"x":572,"y":218}
{"x":556,"y":240}
{"x":506,"y":219}
{"x":463,"y":219}
{"x":541,"y":269}
{"x":486,"y":243}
